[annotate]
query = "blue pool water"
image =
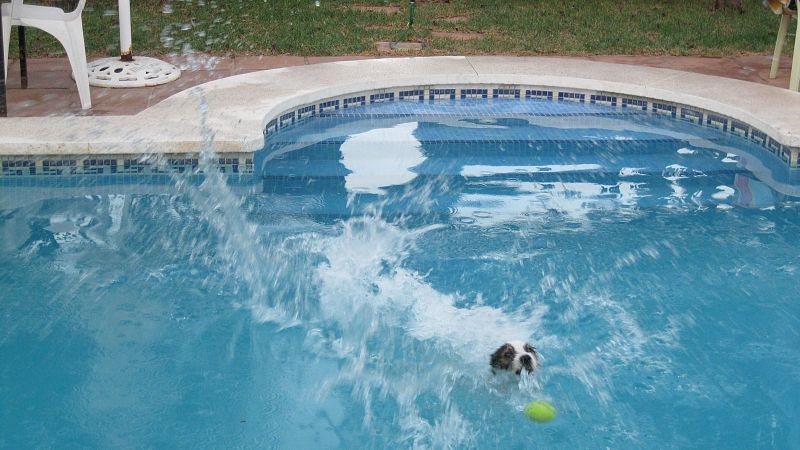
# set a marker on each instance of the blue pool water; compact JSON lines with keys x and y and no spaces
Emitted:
{"x":349,"y":294}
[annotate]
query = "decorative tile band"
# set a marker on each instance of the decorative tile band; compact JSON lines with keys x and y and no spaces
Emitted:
{"x":328,"y":106}
{"x":381,"y":98}
{"x":739,"y":128}
{"x":505,"y":93}
{"x":307,"y":112}
{"x":474,"y":93}
{"x":692,"y":115}
{"x":665,"y":109}
{"x":119,"y":165}
{"x":18,"y":168}
{"x":717,"y":121}
{"x":442,"y":94}
{"x":575,"y":97}
{"x":417,"y":95}
{"x":355,"y":101}
{"x":606,"y":100}
{"x":535,"y":94}
{"x":634,"y":103}
{"x":286,"y":119}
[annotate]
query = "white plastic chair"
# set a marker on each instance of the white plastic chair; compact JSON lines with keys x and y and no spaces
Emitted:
{"x":64,"y":26}
{"x":782,"y":7}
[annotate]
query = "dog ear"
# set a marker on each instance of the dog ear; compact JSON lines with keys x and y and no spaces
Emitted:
{"x":531,"y":349}
{"x":503,"y":357}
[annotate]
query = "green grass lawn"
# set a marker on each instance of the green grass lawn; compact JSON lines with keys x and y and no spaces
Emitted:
{"x":519,"y":27}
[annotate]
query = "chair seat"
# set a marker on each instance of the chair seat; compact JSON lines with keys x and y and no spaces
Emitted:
{"x":34,"y":12}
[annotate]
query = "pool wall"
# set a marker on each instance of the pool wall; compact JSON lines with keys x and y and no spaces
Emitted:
{"x":239,"y":113}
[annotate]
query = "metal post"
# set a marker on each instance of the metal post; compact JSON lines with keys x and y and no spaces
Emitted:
{"x":23,"y":58}
{"x":412,"y":11}
{"x":125,"y":41}
{"x":3,"y":110}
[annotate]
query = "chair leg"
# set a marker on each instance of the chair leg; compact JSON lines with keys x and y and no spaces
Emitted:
{"x":23,"y":58}
{"x":794,"y":79}
{"x":70,"y":35}
{"x":6,"y":43}
{"x":783,"y":29}
{"x":77,"y":59}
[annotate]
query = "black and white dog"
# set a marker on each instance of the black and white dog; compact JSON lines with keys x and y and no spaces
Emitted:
{"x":514,"y":356}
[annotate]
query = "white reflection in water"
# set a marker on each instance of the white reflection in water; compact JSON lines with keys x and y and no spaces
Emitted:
{"x":572,"y":200}
{"x":482,"y":171}
{"x":381,"y":157}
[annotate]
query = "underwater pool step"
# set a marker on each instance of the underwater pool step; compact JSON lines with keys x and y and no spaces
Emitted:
{"x":465,"y":149}
{"x":550,"y":166}
{"x":439,"y":185}
{"x":514,"y":202}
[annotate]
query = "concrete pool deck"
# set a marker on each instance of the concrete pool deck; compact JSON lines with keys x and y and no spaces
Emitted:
{"x":52,"y":92}
{"x":240,"y":106}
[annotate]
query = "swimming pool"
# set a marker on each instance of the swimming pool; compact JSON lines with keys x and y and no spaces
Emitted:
{"x":348,"y":293}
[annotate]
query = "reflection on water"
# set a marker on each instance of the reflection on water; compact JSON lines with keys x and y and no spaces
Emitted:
{"x":349,"y":295}
{"x":377,"y":158}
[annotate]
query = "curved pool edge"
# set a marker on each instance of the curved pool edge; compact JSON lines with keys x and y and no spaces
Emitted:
{"x":239,"y":108}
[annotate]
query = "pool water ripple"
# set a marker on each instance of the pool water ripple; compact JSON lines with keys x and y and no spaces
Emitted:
{"x":350,"y":294}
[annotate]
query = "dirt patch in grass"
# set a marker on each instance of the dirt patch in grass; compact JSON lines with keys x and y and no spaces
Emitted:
{"x":381,"y":27}
{"x":384,"y":46}
{"x":457,"y":35}
{"x":454,"y":19}
{"x":378,"y":9}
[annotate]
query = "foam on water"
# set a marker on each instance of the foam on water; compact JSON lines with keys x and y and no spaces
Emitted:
{"x":362,"y":304}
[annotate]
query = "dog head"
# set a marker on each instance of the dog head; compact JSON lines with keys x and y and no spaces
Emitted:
{"x":515,"y":356}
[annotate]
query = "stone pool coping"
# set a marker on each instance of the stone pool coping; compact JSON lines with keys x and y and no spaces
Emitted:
{"x":238,"y":109}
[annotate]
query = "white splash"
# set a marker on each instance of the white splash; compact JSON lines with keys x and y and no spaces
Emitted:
{"x":723,"y":192}
{"x":632,"y":172}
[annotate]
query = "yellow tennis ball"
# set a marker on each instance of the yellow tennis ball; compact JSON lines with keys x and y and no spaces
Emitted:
{"x":540,"y":411}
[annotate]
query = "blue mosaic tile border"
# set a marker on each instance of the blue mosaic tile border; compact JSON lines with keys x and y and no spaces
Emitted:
{"x":692,"y":115}
{"x":505,"y":93}
{"x":474,"y":93}
{"x":664,"y":109}
{"x":575,"y":97}
{"x":533,"y":93}
{"x":607,"y":100}
{"x":536,"y":94}
{"x":83,"y":165}
{"x":634,"y":103}
{"x":417,"y":95}
{"x":442,"y":94}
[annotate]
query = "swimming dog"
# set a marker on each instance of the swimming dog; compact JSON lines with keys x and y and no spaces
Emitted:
{"x":514,"y":356}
